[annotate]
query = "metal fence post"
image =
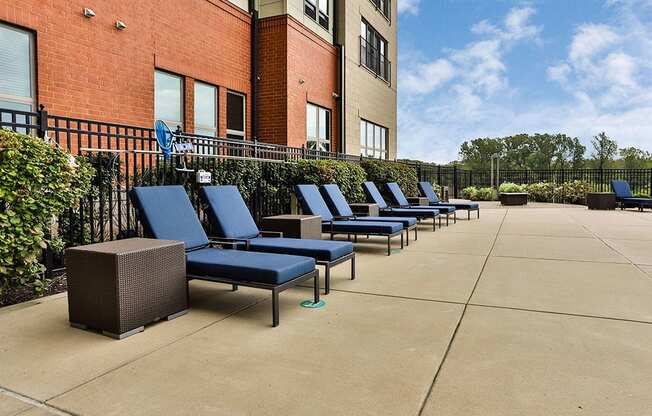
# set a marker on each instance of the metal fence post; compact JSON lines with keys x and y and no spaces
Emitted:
{"x":601,"y":179}
{"x":42,"y":121}
{"x":455,"y":179}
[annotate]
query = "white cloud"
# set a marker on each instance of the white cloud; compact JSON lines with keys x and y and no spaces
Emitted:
{"x":408,"y":6}
{"x":606,"y":76}
{"x":427,"y":77}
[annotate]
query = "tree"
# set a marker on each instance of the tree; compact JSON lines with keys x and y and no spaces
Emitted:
{"x":604,"y":150}
{"x":477,"y":153}
{"x":633,"y":158}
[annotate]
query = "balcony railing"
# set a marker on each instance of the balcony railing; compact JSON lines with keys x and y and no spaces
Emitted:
{"x":373,"y":60}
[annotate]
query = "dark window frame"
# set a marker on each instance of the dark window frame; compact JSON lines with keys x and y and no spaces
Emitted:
{"x":384,"y":7}
{"x":374,"y":49}
{"x":313,"y":11}
{"x":237,"y":134}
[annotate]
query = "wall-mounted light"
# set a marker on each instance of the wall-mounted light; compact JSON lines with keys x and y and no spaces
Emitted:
{"x":302,"y":81}
{"x":120,"y":25}
{"x":88,"y":12}
{"x":336,"y":95}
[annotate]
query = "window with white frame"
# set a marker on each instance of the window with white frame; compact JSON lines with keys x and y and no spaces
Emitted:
{"x":318,"y":126}
{"x":373,"y":140}
{"x":17,"y":71}
{"x":236,"y":115}
{"x":317,"y":10}
{"x":168,"y":99}
{"x":205,"y":116}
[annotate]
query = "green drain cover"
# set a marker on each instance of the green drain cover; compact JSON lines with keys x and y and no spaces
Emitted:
{"x":312,"y":305}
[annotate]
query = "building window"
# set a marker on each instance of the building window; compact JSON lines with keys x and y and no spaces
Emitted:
{"x":205,"y":116}
{"x":168,"y":99}
{"x":235,"y":115}
{"x":384,"y":6}
{"x":373,"y":51}
{"x":373,"y":140}
{"x":318,"y":123}
{"x":17,"y":71}
{"x":317,"y":10}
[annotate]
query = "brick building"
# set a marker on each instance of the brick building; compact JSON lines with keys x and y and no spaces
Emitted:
{"x":293,"y":72}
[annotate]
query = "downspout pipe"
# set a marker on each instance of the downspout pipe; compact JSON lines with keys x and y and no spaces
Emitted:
{"x":254,"y":68}
{"x":341,"y":128}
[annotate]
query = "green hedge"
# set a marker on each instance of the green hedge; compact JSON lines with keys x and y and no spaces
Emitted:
{"x":347,"y":175}
{"x":479,"y":194}
{"x":381,"y":172}
{"x":39,"y":181}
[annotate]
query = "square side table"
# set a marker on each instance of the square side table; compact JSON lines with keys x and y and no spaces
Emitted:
{"x":601,"y":200}
{"x":118,"y":287}
{"x":365,"y":209}
{"x":294,"y":226}
{"x":418,"y":200}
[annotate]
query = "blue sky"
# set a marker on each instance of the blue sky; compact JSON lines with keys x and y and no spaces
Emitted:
{"x":481,"y":68}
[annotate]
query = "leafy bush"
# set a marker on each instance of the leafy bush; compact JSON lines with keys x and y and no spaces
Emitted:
{"x":348,"y":176}
{"x":509,"y":187}
{"x":479,"y":194}
{"x":541,"y":191}
{"x":39,"y":181}
{"x":572,"y":192}
{"x":382,"y":172}
{"x":245,"y":174}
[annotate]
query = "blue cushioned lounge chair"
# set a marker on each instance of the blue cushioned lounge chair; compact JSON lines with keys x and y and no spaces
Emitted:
{"x":165,"y":212}
{"x":338,"y":205}
{"x":399,"y":199}
{"x":625,"y":197}
{"x":233,"y":223}
{"x":373,"y":195}
{"x":312,"y":203}
{"x":426,"y":190}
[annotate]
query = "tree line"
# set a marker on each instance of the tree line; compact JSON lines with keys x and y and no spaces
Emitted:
{"x":552,"y":151}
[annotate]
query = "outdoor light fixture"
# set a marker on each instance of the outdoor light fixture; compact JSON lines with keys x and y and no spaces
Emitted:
{"x":88,"y":12}
{"x":336,"y":95}
{"x":302,"y":81}
{"x":120,"y":25}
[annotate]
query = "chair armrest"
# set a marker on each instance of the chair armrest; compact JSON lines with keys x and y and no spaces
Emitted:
{"x":233,"y":242}
{"x":277,"y":234}
{"x":342,"y":217}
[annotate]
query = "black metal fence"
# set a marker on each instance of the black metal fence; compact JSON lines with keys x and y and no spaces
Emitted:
{"x":127,"y":156}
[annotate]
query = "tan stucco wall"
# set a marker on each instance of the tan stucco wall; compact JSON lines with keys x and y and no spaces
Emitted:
{"x":243,"y":4}
{"x":368,"y":97}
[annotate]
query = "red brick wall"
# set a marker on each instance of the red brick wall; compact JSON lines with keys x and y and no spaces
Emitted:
{"x":286,"y":43}
{"x":88,"y":69}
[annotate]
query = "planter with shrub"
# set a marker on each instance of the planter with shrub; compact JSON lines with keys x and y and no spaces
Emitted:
{"x":479,"y":194}
{"x":512,"y":194}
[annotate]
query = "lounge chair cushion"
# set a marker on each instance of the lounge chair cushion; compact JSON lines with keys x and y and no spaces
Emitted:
{"x":415,"y":212}
{"x":228,"y":212}
{"x":336,"y":201}
{"x":246,"y":266}
{"x":374,"y":195}
{"x":312,"y":202}
{"x":638,"y":201}
{"x":317,"y":249}
{"x":397,"y":194}
{"x":426,"y":190}
{"x":166,"y":213}
{"x":406,"y":221}
{"x":621,"y":189}
{"x":363,"y":227}
{"x":460,"y":205}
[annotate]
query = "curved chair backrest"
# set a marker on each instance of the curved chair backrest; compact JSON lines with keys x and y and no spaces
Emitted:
{"x":621,"y":189}
{"x":374,"y":195}
{"x":426,"y":190}
{"x":228,"y":212}
{"x":336,"y":201}
{"x":397,"y":194}
{"x":312,"y":202}
{"x":166,"y":213}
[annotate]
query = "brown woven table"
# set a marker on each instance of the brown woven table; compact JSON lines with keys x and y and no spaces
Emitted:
{"x":418,"y":200}
{"x":601,"y":200}
{"x":294,"y":226}
{"x":365,"y":209}
{"x":118,"y":287}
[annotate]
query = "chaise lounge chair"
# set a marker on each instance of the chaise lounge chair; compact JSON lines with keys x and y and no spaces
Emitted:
{"x":234,"y":224}
{"x":165,"y":212}
{"x":373,"y":195}
{"x":337,"y":203}
{"x":625,"y":197}
{"x":401,"y":201}
{"x":312,"y":203}
{"x":426,"y":190}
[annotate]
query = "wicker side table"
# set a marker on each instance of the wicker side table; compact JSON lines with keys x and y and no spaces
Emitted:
{"x":365,"y":209}
{"x":294,"y":226}
{"x":601,"y":200}
{"x":418,"y":200}
{"x":118,"y":287}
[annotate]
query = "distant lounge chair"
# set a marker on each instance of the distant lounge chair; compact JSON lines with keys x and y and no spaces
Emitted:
{"x":625,"y":197}
{"x":233,"y":222}
{"x":312,"y":203}
{"x":373,"y":195}
{"x":165,"y":212}
{"x":337,"y":203}
{"x":401,"y":201}
{"x":426,"y":190}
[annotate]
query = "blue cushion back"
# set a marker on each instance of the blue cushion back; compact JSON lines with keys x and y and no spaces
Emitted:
{"x":166,"y":213}
{"x":336,"y":201}
{"x":373,"y":194}
{"x":312,"y":202}
{"x":428,"y":192}
{"x":621,"y":189}
{"x":228,"y":212}
{"x":397,"y":194}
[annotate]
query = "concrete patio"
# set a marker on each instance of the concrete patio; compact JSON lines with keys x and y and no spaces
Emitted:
{"x":541,"y":310}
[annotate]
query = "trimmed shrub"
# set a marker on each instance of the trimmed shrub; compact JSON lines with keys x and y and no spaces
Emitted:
{"x":479,"y":194}
{"x":572,"y":192}
{"x":381,"y":172}
{"x":39,"y":181}
{"x":348,"y":176}
{"x":541,"y":191}
{"x":244,"y":174}
{"x":509,"y":187}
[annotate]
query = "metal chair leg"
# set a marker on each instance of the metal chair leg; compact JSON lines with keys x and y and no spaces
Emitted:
{"x":407,"y":237}
{"x":416,"y":233}
{"x":316,"y":299}
{"x":327,"y":279}
{"x":402,"y":246}
{"x":274,"y":307}
{"x":353,"y":267}
{"x":389,"y":246}
{"x":234,"y":287}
